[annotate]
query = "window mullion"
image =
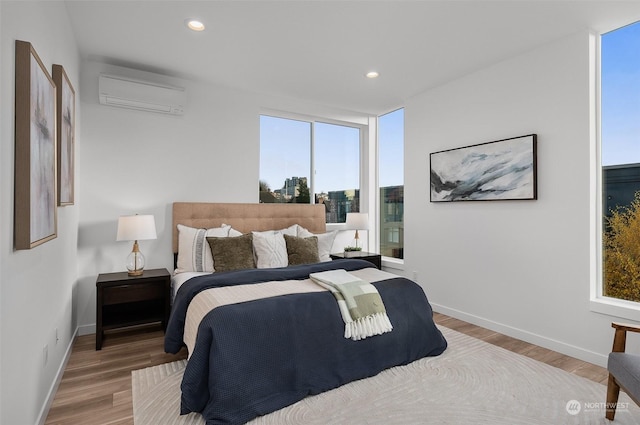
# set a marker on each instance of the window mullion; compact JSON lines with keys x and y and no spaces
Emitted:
{"x":312,"y":165}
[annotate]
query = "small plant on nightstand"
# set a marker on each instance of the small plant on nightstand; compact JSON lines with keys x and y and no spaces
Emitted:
{"x":352,"y":248}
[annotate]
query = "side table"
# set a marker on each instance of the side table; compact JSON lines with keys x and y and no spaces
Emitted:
{"x":123,"y":300}
{"x":371,"y":257}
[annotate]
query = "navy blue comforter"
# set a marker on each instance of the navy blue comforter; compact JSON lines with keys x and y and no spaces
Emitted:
{"x":256,"y":357}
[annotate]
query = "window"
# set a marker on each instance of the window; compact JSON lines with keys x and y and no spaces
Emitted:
{"x":620,"y":160}
{"x":303,"y":157}
{"x":391,"y":183}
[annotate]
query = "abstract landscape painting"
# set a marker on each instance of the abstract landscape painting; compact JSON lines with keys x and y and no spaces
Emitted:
{"x":500,"y":170}
{"x":35,"y":219}
{"x":66,"y":112}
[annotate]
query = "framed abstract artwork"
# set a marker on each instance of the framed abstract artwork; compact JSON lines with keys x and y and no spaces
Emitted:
{"x":35,"y":209}
{"x":493,"y":171}
{"x":65,"y":123}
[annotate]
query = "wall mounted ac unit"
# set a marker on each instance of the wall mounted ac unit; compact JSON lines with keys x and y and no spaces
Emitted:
{"x":141,"y":95}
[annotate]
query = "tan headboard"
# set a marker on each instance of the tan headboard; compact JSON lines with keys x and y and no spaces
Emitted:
{"x":247,"y":217}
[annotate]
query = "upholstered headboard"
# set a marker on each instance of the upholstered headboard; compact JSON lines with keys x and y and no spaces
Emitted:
{"x":247,"y":217}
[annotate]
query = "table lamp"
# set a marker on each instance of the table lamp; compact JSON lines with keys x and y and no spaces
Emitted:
{"x":357,"y":221}
{"x":136,"y":228}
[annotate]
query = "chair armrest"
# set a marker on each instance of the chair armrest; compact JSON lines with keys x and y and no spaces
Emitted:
{"x":626,"y":327}
{"x":620,"y":337}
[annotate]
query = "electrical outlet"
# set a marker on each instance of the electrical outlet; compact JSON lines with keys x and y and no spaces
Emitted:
{"x":45,"y":354}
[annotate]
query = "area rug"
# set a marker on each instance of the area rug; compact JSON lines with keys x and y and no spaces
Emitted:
{"x":472,"y":382}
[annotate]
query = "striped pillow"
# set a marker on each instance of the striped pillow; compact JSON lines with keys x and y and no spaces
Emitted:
{"x":194,"y":253}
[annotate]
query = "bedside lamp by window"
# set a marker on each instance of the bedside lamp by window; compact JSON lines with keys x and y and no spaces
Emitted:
{"x":136,"y":228}
{"x":357,"y":221}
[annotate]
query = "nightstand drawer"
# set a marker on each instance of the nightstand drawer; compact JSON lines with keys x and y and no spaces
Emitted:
{"x":132,"y":293}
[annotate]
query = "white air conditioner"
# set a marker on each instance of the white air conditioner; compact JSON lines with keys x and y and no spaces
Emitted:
{"x":141,"y":95}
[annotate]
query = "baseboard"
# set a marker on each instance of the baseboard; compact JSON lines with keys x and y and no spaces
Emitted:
{"x":42,"y":417}
{"x":532,"y":338}
{"x":86,"y":330}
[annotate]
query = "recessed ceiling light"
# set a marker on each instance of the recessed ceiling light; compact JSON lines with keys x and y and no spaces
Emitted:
{"x":372,"y":74}
{"x":194,"y":24}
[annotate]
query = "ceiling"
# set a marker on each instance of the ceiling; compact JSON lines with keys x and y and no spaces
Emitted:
{"x":319,"y":51}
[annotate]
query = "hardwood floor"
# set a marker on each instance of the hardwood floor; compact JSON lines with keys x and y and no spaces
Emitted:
{"x":96,"y":385}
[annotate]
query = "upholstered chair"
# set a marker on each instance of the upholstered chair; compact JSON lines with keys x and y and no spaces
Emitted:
{"x":624,"y":369}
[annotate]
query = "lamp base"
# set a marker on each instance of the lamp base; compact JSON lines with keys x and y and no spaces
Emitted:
{"x":135,"y":261}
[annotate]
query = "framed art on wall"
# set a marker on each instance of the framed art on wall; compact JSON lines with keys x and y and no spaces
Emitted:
{"x":35,"y":209}
{"x":500,"y":170}
{"x":65,"y":123}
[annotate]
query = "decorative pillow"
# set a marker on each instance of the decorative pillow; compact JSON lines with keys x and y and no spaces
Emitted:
{"x":302,"y":250}
{"x":233,"y":232}
{"x":270,"y":249}
{"x":291,"y":231}
{"x":194,"y":253}
{"x":325,"y":242}
{"x":232,"y":253}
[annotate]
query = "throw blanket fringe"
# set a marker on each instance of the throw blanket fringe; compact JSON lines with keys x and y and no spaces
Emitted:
{"x":359,"y":302}
{"x":375,"y":324}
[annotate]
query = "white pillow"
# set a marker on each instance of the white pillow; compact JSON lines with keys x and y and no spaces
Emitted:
{"x":270,"y":249}
{"x":194,"y":253}
{"x":291,"y":230}
{"x":233,"y":232}
{"x":325,"y":242}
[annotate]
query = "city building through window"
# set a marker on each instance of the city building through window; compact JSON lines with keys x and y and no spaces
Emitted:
{"x":391,"y":183}
{"x":310,"y":162}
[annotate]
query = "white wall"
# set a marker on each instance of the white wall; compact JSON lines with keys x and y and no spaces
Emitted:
{"x":519,"y":267}
{"x":35,"y":285}
{"x":2,"y":212}
{"x":140,"y":162}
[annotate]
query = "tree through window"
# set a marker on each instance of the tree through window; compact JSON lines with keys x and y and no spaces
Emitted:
{"x":620,"y":157}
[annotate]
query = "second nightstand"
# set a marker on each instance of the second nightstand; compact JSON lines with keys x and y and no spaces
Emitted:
{"x":371,"y":257}
{"x":123,"y":300}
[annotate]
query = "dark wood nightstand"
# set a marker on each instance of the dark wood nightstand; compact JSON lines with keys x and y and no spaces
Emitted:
{"x":123,"y":300}
{"x":371,"y":257}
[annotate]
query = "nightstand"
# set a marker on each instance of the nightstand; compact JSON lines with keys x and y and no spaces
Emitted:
{"x":371,"y":257}
{"x":123,"y":300}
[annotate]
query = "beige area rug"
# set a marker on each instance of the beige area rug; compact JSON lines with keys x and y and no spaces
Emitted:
{"x":472,"y":382}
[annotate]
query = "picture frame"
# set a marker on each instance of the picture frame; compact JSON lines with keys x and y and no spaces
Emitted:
{"x":494,"y":171}
{"x":65,"y":124}
{"x":35,"y":199}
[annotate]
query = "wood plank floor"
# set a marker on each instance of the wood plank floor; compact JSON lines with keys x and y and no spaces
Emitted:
{"x":96,"y":385}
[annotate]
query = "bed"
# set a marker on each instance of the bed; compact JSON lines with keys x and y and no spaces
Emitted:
{"x":260,"y":339}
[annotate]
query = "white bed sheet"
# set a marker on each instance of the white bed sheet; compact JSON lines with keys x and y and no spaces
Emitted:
{"x":179,"y":278}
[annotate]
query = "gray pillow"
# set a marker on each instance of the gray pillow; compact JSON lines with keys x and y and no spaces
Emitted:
{"x":302,"y":250}
{"x":232,"y":253}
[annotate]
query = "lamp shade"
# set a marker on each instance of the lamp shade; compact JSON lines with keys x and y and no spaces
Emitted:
{"x":357,"y":221}
{"x":136,"y":228}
